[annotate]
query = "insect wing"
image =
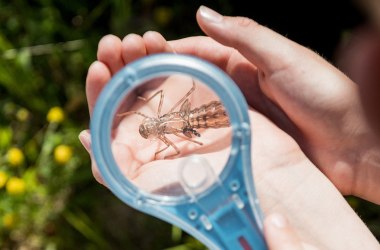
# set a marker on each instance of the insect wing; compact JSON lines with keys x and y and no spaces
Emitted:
{"x":185,"y":108}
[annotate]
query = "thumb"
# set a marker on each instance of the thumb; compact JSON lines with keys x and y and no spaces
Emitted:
{"x":279,"y":235}
{"x":85,"y":139}
{"x":265,"y":48}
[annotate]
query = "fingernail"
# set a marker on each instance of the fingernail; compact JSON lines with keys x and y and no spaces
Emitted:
{"x":85,"y":139}
{"x":210,"y":15}
{"x":278,"y":220}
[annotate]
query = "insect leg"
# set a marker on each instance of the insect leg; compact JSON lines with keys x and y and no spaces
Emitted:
{"x":187,"y":138}
{"x":168,"y":144}
{"x":183,"y":98}
{"x":161,"y":93}
{"x":133,"y":112}
{"x":161,"y":150}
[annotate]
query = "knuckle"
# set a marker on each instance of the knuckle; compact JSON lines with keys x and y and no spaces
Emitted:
{"x":246,"y":22}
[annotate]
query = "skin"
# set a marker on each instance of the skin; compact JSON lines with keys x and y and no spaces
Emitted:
{"x":281,"y":236}
{"x":130,"y":147}
{"x":310,"y":99}
{"x":309,"y":116}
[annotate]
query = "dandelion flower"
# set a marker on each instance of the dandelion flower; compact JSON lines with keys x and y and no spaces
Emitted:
{"x":55,"y":115}
{"x":62,"y":154}
{"x":15,"y":157}
{"x":15,"y":186}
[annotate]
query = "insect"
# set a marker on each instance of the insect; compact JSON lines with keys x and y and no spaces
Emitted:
{"x":182,"y":123}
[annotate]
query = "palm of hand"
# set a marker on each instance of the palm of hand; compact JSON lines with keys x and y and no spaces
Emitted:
{"x":271,"y":140}
{"x":135,"y":155}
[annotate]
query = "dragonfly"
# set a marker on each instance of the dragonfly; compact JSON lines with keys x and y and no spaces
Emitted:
{"x":183,"y":123}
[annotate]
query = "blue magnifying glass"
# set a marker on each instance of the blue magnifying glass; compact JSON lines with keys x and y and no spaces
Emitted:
{"x":219,"y":209}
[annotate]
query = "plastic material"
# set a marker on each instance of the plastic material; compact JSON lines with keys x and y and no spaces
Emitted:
{"x":221,"y":211}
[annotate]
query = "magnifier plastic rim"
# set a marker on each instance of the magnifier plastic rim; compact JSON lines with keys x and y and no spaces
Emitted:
{"x":132,"y":76}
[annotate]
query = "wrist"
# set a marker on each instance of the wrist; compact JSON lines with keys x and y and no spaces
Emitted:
{"x":316,"y":209}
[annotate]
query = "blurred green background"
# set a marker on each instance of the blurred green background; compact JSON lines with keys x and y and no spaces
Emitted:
{"x":48,"y":197}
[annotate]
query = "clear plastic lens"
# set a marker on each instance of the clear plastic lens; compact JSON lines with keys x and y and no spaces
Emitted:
{"x":161,"y":124}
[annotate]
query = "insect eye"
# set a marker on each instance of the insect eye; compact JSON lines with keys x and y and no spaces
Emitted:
{"x":143,"y":131}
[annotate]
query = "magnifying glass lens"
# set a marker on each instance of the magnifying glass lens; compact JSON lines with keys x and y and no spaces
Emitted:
{"x":160,"y":125}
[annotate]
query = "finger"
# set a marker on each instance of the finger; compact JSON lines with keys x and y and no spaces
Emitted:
{"x":97,"y":76}
{"x":156,"y":43}
{"x":294,"y":78}
{"x":267,"y":49}
{"x":244,"y":73}
{"x":279,"y":235}
{"x":206,"y":48}
{"x":277,"y":57}
{"x":85,"y":139}
{"x":228,"y":59}
{"x":133,"y":47}
{"x":110,"y":53}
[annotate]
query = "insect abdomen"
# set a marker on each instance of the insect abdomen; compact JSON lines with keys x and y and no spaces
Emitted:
{"x":211,"y":115}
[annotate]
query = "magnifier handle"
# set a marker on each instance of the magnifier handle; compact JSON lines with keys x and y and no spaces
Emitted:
{"x":223,"y":214}
{"x":231,"y":225}
{"x":236,"y":229}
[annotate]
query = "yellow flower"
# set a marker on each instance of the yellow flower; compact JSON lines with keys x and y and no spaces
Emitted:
{"x":22,"y":114}
{"x":15,"y":186}
{"x":15,"y":157}
{"x":3,"y":178}
{"x":8,"y":220}
{"x":62,"y":154}
{"x":55,"y":115}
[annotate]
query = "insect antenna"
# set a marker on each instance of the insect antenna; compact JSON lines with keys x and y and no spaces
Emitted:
{"x":183,"y":98}
{"x":133,"y":112}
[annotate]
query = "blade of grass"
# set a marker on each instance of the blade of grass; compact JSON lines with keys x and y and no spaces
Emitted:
{"x":82,"y":223}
